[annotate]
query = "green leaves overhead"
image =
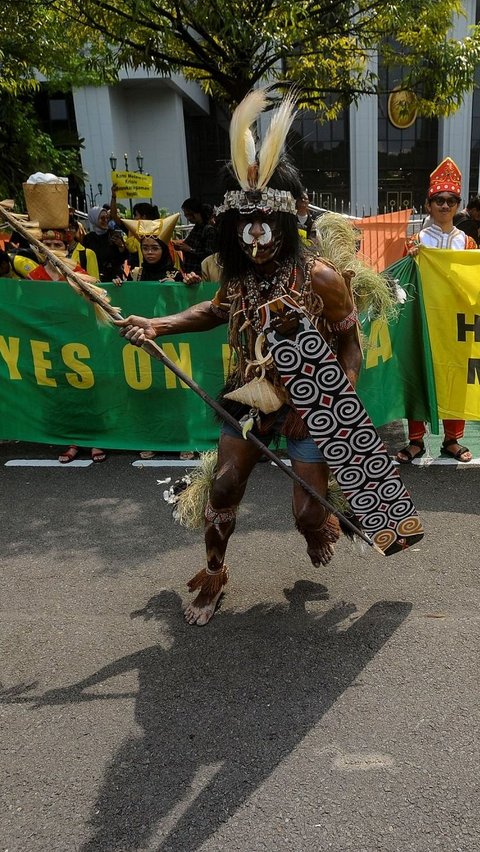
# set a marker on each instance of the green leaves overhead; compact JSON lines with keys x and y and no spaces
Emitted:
{"x":324,"y":46}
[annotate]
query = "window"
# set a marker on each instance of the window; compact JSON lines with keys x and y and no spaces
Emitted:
{"x":406,"y":157}
{"x":321,"y":152}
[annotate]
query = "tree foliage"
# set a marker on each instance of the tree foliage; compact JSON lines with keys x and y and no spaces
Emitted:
{"x":36,"y":41}
{"x":25,"y":149}
{"x":325,"y":47}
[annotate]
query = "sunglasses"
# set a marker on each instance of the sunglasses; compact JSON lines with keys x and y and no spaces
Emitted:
{"x":440,"y":200}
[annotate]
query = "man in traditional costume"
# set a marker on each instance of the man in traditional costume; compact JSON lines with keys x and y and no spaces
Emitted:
{"x":265,"y":270}
{"x":443,"y":201}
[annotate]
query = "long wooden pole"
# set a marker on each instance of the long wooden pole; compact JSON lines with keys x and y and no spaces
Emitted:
{"x":156,"y":352}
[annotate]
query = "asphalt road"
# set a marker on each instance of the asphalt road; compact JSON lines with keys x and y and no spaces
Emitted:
{"x":320,"y":710}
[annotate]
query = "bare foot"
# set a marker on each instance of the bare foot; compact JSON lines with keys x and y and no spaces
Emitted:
{"x":202,"y":609}
{"x":321,"y":555}
{"x":321,"y":542}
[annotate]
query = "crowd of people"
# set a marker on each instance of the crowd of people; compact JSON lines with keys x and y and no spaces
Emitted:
{"x":117,"y":249}
{"x":145,"y":247}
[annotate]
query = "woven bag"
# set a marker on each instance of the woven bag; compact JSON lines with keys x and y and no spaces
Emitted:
{"x":47,"y":203}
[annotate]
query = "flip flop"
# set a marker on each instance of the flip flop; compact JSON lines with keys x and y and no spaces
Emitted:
{"x":98,"y":456}
{"x":69,"y":455}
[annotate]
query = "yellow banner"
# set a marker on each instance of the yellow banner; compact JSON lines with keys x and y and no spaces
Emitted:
{"x":133,"y":184}
{"x":451,"y":292}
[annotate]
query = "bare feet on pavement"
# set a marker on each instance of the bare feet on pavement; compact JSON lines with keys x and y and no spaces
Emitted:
{"x":202,"y":609}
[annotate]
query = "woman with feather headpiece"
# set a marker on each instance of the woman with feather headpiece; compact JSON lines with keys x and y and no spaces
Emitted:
{"x":263,"y":261}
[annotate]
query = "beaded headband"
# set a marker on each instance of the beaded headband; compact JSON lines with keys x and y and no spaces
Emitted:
{"x":246,"y":201}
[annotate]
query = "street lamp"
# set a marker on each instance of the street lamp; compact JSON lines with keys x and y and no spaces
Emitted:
{"x":139,"y":159}
{"x":125,"y":159}
{"x":113,"y":162}
{"x":93,"y":196}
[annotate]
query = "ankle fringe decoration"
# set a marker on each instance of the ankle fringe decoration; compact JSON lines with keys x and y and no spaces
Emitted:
{"x":208,"y":582}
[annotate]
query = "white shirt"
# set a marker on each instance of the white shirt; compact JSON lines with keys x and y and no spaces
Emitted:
{"x":434,"y":237}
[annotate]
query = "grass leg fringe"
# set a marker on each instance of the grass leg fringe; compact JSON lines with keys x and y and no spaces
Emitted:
{"x":332,"y":529}
{"x":189,"y":509}
{"x":210,"y":584}
{"x":353,"y":520}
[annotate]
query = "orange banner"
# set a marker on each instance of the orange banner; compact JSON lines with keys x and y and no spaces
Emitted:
{"x":383,"y":238}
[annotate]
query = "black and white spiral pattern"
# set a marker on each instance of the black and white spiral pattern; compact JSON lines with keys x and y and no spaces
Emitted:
{"x":304,"y":390}
{"x":330,"y":377}
{"x":350,"y":478}
{"x":320,"y":423}
{"x":339,"y":424}
{"x":286,"y":358}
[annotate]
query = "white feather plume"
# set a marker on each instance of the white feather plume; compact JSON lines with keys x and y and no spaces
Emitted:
{"x":275,"y":137}
{"x":242,"y":142}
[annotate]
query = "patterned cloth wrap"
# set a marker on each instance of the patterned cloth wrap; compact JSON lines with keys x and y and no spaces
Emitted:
{"x":338,"y":423}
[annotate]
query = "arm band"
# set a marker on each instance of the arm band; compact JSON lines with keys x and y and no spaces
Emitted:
{"x":220,"y":310}
{"x":346,"y":324}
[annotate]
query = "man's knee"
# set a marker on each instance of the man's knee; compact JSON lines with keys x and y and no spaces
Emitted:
{"x":228,"y":487}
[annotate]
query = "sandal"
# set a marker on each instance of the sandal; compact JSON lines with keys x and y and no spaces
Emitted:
{"x":460,"y":452}
{"x":147,"y":454}
{"x":97,"y":455}
{"x":411,"y":456}
{"x":68,"y":455}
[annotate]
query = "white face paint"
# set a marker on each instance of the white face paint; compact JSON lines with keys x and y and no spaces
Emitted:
{"x":259,"y":239}
{"x":263,"y":239}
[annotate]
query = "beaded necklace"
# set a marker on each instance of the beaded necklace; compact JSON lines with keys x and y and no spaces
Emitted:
{"x":255,"y":291}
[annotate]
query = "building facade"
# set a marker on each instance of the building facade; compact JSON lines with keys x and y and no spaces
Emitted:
{"x":372,"y":158}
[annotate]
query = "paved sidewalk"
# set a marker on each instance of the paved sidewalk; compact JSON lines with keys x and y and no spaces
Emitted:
{"x":471,"y":439}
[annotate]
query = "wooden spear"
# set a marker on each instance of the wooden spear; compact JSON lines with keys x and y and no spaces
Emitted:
{"x":95,"y":295}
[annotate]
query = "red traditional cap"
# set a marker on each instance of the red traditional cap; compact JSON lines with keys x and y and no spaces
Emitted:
{"x":446,"y":178}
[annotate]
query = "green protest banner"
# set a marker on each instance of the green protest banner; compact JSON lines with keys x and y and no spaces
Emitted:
{"x":64,"y":378}
{"x":397,"y":379}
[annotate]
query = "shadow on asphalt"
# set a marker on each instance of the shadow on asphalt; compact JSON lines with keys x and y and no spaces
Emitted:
{"x":121,"y":515}
{"x":220,"y":710}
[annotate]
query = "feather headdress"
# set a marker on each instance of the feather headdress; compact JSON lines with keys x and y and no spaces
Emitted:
{"x":253,"y":165}
{"x":243,"y":150}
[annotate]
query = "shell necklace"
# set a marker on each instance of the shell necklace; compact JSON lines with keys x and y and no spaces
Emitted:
{"x":256,"y":292}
